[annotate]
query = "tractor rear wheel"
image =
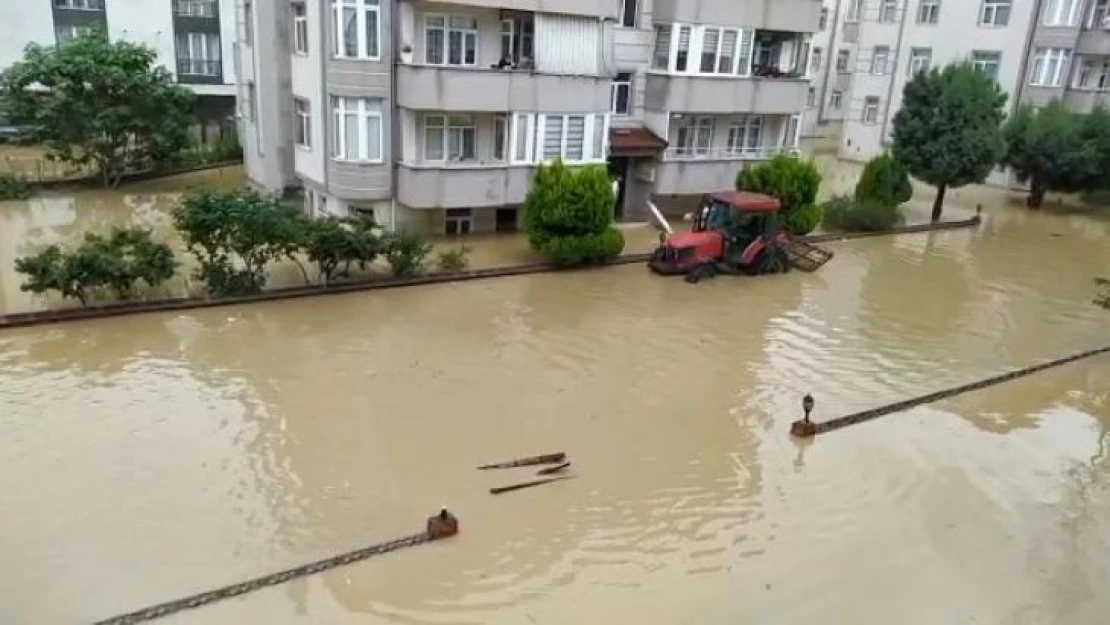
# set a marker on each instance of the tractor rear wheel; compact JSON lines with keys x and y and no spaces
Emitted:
{"x":704,"y":270}
{"x":770,"y":260}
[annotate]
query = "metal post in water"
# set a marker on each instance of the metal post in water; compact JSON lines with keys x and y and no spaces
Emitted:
{"x":805,"y":428}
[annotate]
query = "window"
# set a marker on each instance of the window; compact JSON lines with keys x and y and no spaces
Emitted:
{"x":356,"y":129}
{"x":718,"y":49}
{"x":517,"y":34}
{"x":920,"y":60}
{"x":500,"y":137}
{"x":300,"y":28}
{"x":815,"y":60}
{"x":995,"y":13}
{"x":1099,"y":16}
{"x":357,"y":29}
{"x":823,"y":21}
{"x":987,"y":62}
{"x":661,"y":55}
{"x":835,"y":99}
{"x":811,"y":97}
{"x":361,"y":212}
{"x":460,"y":35}
{"x":524,"y":133}
{"x":842,"y":61}
{"x":197,"y":8}
{"x":1049,"y":67}
{"x":746,"y":136}
{"x":855,"y":11}
{"x":928,"y":12}
{"x":871,"y":110}
{"x":198,"y":54}
{"x":620,"y":94}
{"x":84,"y":5}
{"x":248,"y":23}
{"x":682,"y":59}
{"x":1062,"y":12}
{"x":880,"y":56}
{"x":302,"y":123}
{"x":457,"y":221}
{"x":695,"y":136}
{"x":449,"y":138}
{"x":628,"y":13}
{"x":1093,"y":73}
{"x":888,"y":11}
{"x":792,"y":132}
{"x":572,"y":138}
{"x":66,"y":32}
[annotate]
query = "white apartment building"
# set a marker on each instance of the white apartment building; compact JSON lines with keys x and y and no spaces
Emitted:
{"x":434,"y":115}
{"x":1036,"y":49}
{"x":194,"y":39}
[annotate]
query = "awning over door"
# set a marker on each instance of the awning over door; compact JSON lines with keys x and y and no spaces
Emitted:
{"x":635,"y":142}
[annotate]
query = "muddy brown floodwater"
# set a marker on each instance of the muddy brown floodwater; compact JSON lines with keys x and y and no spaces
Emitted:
{"x":149,"y":457}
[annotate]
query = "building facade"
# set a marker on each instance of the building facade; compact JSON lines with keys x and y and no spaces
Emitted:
{"x":1037,"y":50}
{"x":434,"y":115}
{"x":194,"y":39}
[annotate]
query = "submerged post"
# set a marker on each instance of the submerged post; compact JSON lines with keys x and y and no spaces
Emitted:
{"x":805,"y":428}
{"x":442,"y":525}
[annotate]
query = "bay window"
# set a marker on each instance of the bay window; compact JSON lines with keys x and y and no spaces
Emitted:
{"x":449,"y":138}
{"x":1049,"y":67}
{"x":1062,"y":12}
{"x":357,"y":129}
{"x":718,"y":50}
{"x":450,"y":40}
{"x":356,"y":29}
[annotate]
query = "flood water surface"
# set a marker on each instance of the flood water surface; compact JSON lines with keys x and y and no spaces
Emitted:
{"x":153,"y":456}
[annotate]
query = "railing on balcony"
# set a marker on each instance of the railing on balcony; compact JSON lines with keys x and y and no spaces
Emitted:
{"x":198,"y":67}
{"x":197,"y":8}
{"x":761,"y":153}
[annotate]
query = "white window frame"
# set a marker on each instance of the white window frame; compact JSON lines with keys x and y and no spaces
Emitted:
{"x":197,"y":8}
{"x":1062,"y":13}
{"x":614,"y":93}
{"x":888,"y":11}
{"x":451,"y":126}
{"x":299,"y":10}
{"x":622,"y":21}
{"x":446,"y":31}
{"x":854,"y":11}
{"x":741,"y":134}
{"x":844,"y":55}
{"x":365,"y":114}
{"x":501,"y":131}
{"x":791,"y":133}
{"x":733,"y":59}
{"x":836,"y":99}
{"x":870,"y":116}
{"x":816,"y":59}
{"x":990,"y":11}
{"x":302,"y":123}
{"x":692,"y":146}
{"x":522,"y":138}
{"x":66,"y":32}
{"x":1092,"y":69}
{"x":880,"y":60}
{"x":458,"y":221}
{"x":195,"y":54}
{"x":1098,"y":18}
{"x":1050,"y":66}
{"x":921,"y":59}
{"x":928,"y":12}
{"x":984,"y":59}
{"x":362,"y":10}
{"x":80,"y":5}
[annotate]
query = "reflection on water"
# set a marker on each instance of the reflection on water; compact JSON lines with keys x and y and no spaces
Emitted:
{"x":152,"y":456}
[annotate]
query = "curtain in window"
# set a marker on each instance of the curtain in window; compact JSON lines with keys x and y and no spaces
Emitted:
{"x":567,"y":44}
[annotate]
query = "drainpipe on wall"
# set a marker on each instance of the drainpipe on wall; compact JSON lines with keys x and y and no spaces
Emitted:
{"x":394,"y":116}
{"x":325,"y":102}
{"x":894,"y":73}
{"x":830,"y":60}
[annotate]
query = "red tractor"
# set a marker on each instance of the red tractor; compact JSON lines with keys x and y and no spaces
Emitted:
{"x":733,"y":232}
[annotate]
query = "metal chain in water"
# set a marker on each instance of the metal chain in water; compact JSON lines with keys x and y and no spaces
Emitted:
{"x":201,"y":599}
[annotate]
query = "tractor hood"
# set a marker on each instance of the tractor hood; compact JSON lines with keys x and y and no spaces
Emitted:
{"x":691,"y":239}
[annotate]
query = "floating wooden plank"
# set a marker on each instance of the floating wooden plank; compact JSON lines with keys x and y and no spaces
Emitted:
{"x":554,"y":469}
{"x":527,"y":462}
{"x":506,"y":489}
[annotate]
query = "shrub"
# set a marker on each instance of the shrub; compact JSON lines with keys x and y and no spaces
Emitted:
{"x":568,"y":215}
{"x":885,"y":181}
{"x":116,"y":263}
{"x":845,"y":213}
{"x":454,"y":260}
{"x":794,"y":183}
{"x":332,"y":243}
{"x":406,"y":253}
{"x":14,"y":187}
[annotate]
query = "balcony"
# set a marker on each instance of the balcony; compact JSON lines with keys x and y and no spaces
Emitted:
{"x":684,"y":173}
{"x":591,"y":8}
{"x":1094,"y":42}
{"x":462,"y":185}
{"x":797,"y":15}
{"x":204,"y":9}
{"x":697,"y":94}
{"x":201,"y":71}
{"x":479,"y":59}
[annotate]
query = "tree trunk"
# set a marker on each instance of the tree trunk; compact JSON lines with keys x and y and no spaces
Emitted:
{"x":1037,"y":192}
{"x":938,"y":203}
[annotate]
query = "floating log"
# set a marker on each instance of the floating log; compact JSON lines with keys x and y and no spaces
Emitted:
{"x":554,"y":469}
{"x":804,"y":430}
{"x":506,"y":489}
{"x":527,"y":462}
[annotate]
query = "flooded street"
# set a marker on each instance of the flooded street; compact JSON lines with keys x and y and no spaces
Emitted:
{"x":153,"y":456}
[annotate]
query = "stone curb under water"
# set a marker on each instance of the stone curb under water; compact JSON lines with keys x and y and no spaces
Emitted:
{"x":117,"y":309}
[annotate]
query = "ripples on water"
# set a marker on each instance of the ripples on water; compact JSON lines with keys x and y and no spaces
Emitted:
{"x":152,"y":456}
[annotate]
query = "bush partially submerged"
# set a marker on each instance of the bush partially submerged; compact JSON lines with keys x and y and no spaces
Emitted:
{"x":406,"y":253}
{"x":884,"y":181}
{"x":455,"y":259}
{"x":584,"y":249}
{"x":14,"y":187}
{"x":568,"y":215}
{"x":794,"y":183}
{"x":851,"y":215}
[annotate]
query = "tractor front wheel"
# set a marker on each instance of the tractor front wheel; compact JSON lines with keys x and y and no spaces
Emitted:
{"x":705,"y":270}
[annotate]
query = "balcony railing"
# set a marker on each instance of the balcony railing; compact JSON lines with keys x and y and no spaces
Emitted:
{"x":727,"y":154}
{"x":197,"y":8}
{"x":198,"y":67}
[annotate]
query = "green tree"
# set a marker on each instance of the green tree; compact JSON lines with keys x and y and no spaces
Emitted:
{"x":235,"y":234}
{"x":406,"y":253}
{"x":116,"y":263}
{"x":14,"y":187}
{"x":884,"y":181}
{"x":90,"y":100}
{"x":568,"y":215}
{"x":948,"y":131}
{"x":794,"y":183}
{"x":1047,"y":150}
{"x":1096,"y":130}
{"x":334,"y":244}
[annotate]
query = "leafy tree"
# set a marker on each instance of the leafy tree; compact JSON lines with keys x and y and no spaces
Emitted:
{"x":406,"y":253}
{"x":1047,"y":149}
{"x":235,"y":234}
{"x":116,"y":263}
{"x":884,"y":182}
{"x":90,"y":100}
{"x":568,"y":215}
{"x":334,"y":244}
{"x":947,"y":132}
{"x":1096,"y":130}
{"x":14,"y":187}
{"x":794,"y":183}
